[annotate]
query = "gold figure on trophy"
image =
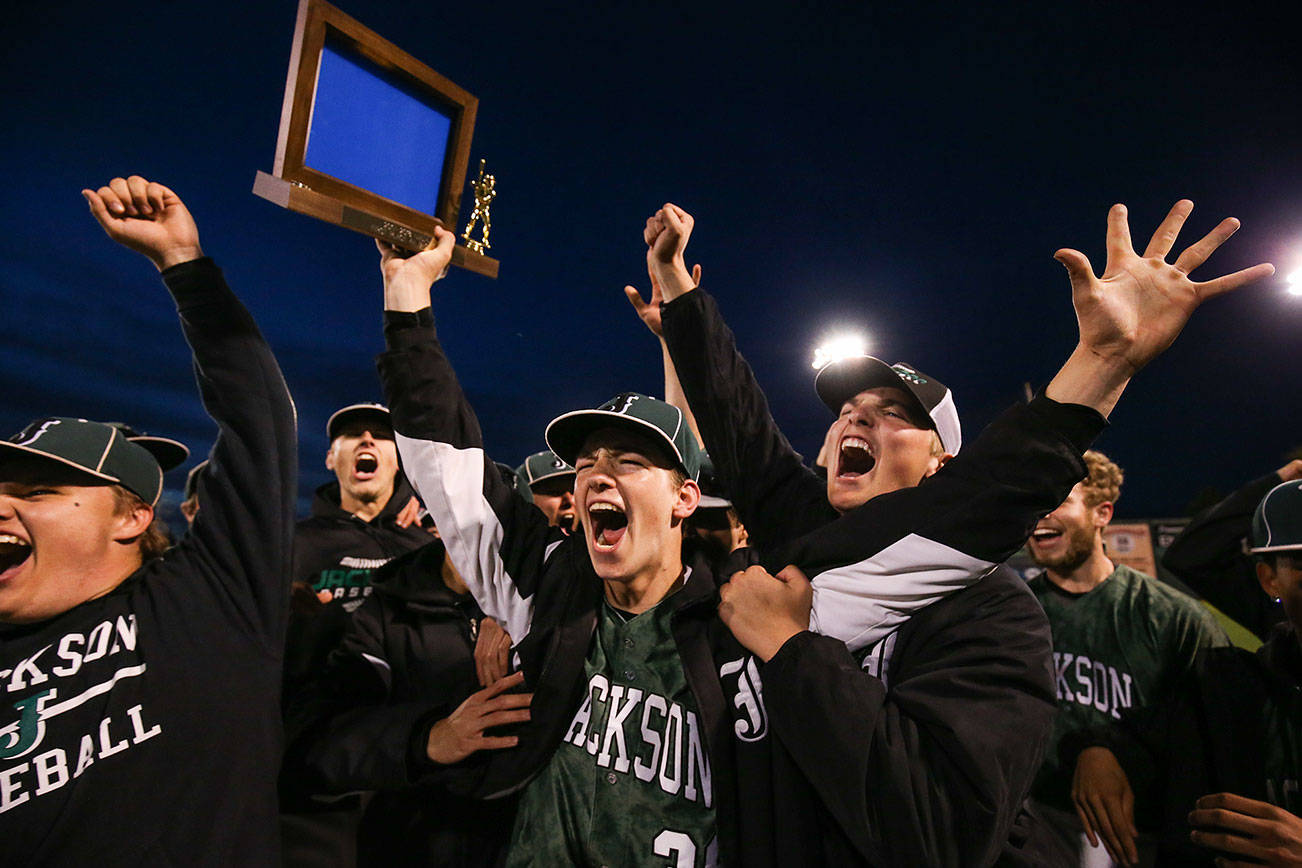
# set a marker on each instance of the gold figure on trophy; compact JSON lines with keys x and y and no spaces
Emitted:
{"x":485,"y":191}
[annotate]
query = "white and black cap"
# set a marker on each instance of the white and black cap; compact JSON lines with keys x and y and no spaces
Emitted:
{"x":839,"y":381}
{"x":346,"y":414}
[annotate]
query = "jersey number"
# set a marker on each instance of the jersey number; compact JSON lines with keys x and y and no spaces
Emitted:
{"x":677,"y":845}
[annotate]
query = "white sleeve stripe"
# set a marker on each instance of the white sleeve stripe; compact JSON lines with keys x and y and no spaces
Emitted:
{"x":450,"y":482}
{"x":863,"y":602}
{"x":378,"y":662}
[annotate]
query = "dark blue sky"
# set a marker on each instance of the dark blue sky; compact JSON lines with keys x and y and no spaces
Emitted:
{"x":905,"y":172}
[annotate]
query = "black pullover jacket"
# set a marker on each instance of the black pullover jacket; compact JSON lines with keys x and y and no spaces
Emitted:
{"x":145,"y":727}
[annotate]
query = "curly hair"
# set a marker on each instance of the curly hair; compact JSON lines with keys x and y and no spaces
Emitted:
{"x":1103,"y":484}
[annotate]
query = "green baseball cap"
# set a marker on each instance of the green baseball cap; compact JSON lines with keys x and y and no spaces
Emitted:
{"x":1277,"y":523}
{"x":98,"y":450}
{"x":543,"y":465}
{"x":633,"y":412}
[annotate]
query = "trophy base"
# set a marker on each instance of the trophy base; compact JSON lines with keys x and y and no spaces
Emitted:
{"x":296,"y":197}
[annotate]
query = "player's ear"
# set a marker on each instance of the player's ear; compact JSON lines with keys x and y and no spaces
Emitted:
{"x":1266,"y":578}
{"x":1103,"y":513}
{"x":133,"y":521}
{"x":689,"y":497}
{"x":330,"y":458}
{"x":937,"y":462}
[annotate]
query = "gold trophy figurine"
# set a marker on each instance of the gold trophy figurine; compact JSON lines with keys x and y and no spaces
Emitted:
{"x":485,"y":191}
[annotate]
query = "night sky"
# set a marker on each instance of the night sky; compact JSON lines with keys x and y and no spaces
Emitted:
{"x":907,"y":173}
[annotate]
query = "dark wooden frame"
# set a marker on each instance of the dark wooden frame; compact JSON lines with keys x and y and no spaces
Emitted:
{"x":301,"y":188}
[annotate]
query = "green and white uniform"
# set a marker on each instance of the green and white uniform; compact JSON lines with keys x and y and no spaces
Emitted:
{"x":1123,"y":645}
{"x":630,"y":783}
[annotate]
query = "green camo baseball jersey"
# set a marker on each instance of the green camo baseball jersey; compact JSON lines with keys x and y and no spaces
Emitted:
{"x":1122,"y":645}
{"x":630,"y":783}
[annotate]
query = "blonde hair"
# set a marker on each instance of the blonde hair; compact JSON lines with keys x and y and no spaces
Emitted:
{"x":1103,"y":482}
{"x":155,"y":540}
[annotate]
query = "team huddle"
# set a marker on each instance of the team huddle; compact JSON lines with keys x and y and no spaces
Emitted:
{"x":664,"y":639}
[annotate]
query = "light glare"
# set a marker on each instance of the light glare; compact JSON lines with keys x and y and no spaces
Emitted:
{"x":837,"y":348}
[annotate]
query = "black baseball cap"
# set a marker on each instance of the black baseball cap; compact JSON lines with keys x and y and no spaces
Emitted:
{"x":192,"y":479}
{"x":169,"y":453}
{"x":346,"y":414}
{"x":839,"y":381}
{"x":631,"y":411}
{"x":100,"y":451}
{"x":1277,"y":522}
{"x":541,"y":466}
{"x":713,"y":495}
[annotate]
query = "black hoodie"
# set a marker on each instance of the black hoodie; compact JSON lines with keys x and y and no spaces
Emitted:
{"x":405,"y":661}
{"x":144,"y":728}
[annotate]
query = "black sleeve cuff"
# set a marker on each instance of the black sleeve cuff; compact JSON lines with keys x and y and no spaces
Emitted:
{"x":193,"y":282}
{"x":1079,"y":424}
{"x":418,"y":761}
{"x":403,"y":329}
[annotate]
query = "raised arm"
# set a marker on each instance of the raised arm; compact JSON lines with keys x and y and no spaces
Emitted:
{"x":649,"y":313}
{"x":777,"y":497}
{"x":241,"y":540}
{"x":496,"y":540}
{"x":1208,"y":555}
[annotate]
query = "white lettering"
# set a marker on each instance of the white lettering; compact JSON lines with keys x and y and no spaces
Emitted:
{"x":579,"y":726}
{"x":66,"y":652}
{"x":671,"y":772}
{"x":615,"y":718}
{"x":645,"y":772}
{"x":98,"y":641}
{"x":126,"y":633}
{"x":51,"y":770}
{"x":599,"y":683}
{"x":29,"y":669}
{"x":9,"y":787}
{"x":139,"y":727}
{"x":1120,"y":691}
{"x":697,"y":759}
{"x":85,"y":755}
{"x":105,"y":748}
{"x":1084,"y":680}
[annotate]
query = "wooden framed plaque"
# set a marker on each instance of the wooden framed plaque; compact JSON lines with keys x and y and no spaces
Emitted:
{"x":371,"y":138}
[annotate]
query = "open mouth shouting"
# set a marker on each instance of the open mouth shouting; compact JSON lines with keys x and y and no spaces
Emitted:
{"x":14,"y":552}
{"x":608,"y":523}
{"x":365,"y":465}
{"x":855,"y":458}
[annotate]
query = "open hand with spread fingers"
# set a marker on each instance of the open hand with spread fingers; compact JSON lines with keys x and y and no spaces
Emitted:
{"x":1137,"y":307}
{"x":461,"y":733}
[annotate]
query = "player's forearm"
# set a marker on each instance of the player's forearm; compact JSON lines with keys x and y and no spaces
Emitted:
{"x":406,"y":296}
{"x":674,"y":278}
{"x":1091,"y":380}
{"x":674,"y":391}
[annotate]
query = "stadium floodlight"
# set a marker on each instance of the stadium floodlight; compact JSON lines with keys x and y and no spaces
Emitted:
{"x":1294,"y":282}
{"x":837,"y":348}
